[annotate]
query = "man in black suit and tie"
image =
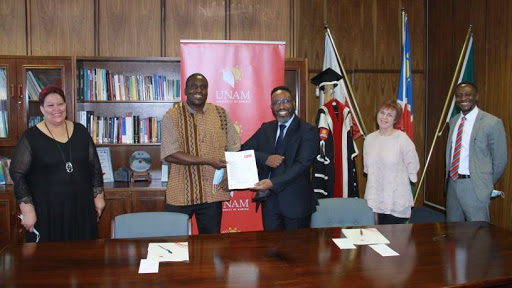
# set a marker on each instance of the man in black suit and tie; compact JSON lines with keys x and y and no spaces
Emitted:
{"x":476,"y":157}
{"x":285,"y":149}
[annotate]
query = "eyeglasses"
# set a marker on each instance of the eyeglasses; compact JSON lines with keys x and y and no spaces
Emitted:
{"x":279,"y":102}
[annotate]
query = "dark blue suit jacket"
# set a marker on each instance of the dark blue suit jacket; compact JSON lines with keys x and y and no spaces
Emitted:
{"x":293,"y":186}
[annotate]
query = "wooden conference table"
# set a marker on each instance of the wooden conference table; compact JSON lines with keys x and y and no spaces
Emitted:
{"x":478,"y":254}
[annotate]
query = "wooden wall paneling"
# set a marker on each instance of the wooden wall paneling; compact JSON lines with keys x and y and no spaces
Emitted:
{"x":7,"y":214}
{"x":193,"y":19}
{"x":261,"y":20}
{"x":118,"y":202}
{"x":311,"y":36}
{"x":440,"y":72}
{"x":13,"y":28}
{"x":497,"y":97}
{"x":353,"y":28}
{"x":62,"y":27}
{"x":130,"y":28}
{"x":148,"y":200}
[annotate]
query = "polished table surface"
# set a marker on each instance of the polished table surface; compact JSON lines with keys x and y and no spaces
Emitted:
{"x":477,"y":253}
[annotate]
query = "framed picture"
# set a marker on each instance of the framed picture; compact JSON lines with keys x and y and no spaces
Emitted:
{"x":106,"y":163}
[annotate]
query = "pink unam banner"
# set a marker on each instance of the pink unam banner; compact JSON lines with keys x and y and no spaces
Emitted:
{"x":241,"y":75}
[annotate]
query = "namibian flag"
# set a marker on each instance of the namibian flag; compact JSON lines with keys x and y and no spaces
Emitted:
{"x":405,"y":85}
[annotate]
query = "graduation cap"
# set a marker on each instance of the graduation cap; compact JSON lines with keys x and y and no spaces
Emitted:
{"x":328,"y":76}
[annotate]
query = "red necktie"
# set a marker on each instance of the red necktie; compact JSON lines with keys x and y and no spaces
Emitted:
{"x":454,"y":168}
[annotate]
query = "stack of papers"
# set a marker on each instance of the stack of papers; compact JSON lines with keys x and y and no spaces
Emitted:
{"x":175,"y":251}
{"x":365,"y":236}
{"x":242,"y":170}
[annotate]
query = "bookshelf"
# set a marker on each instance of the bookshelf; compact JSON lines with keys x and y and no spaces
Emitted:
{"x":122,"y":101}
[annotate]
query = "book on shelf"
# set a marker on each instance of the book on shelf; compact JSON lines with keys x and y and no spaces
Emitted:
{"x":106,"y":85}
{"x":4,"y":128}
{"x":129,"y":129}
{"x":34,"y":87}
{"x":6,"y":163}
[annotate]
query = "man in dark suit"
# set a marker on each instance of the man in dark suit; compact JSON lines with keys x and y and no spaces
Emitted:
{"x":476,"y":157}
{"x":284,"y":150}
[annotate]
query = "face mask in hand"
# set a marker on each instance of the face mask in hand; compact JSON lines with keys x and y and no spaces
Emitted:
{"x":496,"y":193}
{"x":217,"y":178}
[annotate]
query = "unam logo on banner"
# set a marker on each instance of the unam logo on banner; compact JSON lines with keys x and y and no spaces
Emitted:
{"x":230,"y":76}
{"x":232,"y":96}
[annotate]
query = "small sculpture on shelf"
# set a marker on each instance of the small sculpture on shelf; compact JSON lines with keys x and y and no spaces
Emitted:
{"x":122,"y":174}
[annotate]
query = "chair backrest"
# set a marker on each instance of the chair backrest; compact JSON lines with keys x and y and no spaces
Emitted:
{"x":337,"y":212}
{"x":150,"y":224}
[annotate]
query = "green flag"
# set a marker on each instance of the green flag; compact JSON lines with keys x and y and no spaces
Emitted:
{"x":467,"y":74}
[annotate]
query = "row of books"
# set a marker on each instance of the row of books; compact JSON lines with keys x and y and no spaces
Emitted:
{"x":104,"y":85}
{"x":34,"y":86}
{"x":34,"y":120}
{"x":129,"y":129}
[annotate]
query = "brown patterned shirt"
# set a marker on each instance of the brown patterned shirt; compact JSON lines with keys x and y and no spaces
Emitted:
{"x":208,"y":134}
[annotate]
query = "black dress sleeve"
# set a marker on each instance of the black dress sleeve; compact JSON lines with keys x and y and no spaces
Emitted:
{"x":19,"y":170}
{"x":95,"y":169}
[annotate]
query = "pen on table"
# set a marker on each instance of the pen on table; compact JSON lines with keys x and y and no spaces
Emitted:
{"x":439,"y":237}
{"x":165,"y":248}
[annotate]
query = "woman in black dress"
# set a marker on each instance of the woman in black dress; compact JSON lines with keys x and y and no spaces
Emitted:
{"x":57,"y":175}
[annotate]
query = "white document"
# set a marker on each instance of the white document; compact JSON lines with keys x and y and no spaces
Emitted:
{"x":384,"y":250}
{"x":242,"y":171}
{"x":173,"y":251}
{"x":344,"y":243}
{"x":148,"y":266}
{"x":365,"y":236}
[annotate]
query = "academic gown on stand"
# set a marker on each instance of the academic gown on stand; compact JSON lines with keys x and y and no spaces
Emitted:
{"x":334,"y":169}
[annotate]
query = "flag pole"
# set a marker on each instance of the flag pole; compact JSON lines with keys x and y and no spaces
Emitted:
{"x":344,"y":74}
{"x":447,"y":101}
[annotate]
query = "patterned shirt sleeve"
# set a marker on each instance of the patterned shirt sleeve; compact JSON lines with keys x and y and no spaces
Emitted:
{"x":169,"y":141}
{"x":233,"y":136}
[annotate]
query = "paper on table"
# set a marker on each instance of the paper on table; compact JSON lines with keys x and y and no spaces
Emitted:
{"x":344,"y":243}
{"x":242,"y":171}
{"x":148,"y":266}
{"x":174,"y":251}
{"x":365,"y":236}
{"x":384,"y":250}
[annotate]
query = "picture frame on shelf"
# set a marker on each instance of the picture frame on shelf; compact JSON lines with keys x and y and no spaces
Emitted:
{"x":106,"y":163}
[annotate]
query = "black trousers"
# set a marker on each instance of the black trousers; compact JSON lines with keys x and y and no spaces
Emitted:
{"x":208,"y":215}
{"x":390,"y":219}
{"x":273,"y":219}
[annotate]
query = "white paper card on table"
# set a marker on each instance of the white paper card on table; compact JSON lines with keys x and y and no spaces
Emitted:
{"x":344,"y":243}
{"x":365,"y":236}
{"x":384,"y":250}
{"x":169,"y":251}
{"x":148,"y":266}
{"x":242,"y":170}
